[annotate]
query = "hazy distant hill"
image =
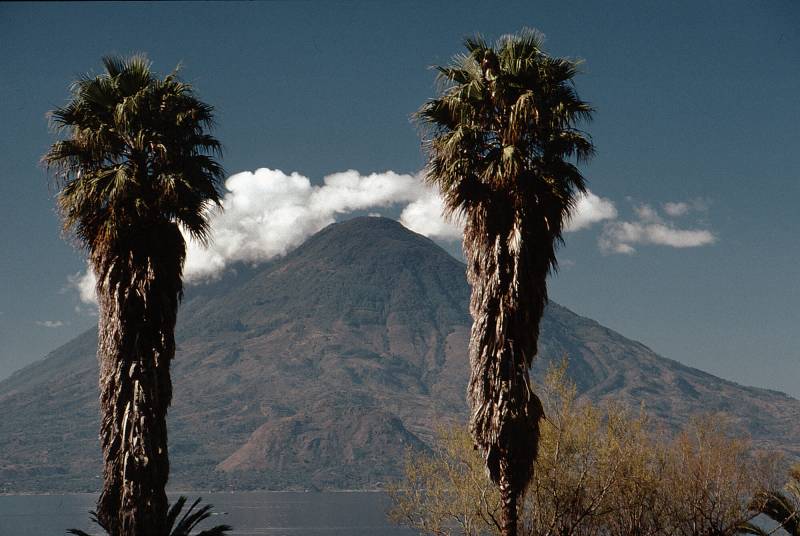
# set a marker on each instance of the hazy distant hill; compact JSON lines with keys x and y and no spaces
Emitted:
{"x":321,"y":368}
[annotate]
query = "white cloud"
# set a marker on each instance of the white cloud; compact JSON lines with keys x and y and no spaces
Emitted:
{"x":676,"y":209}
{"x":620,"y":236}
{"x":647,"y":213}
{"x":652,"y":229}
{"x":590,"y":209}
{"x":682,"y":208}
{"x":84,"y":283}
{"x":266,"y":213}
{"x":50,"y":323}
{"x":425,"y":216}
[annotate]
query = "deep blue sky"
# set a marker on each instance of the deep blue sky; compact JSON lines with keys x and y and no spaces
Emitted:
{"x":695,"y":101}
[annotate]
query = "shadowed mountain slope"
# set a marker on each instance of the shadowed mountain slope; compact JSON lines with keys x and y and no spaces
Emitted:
{"x":321,"y":368}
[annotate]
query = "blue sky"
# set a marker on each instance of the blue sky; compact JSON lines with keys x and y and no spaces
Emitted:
{"x":696,"y":106}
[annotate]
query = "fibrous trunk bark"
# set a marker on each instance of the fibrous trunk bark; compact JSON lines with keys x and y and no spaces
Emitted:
{"x":138,"y":288}
{"x":508,"y":499}
{"x":508,"y":297}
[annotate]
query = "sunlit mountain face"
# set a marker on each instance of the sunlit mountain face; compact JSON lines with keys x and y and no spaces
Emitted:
{"x":320,"y":369}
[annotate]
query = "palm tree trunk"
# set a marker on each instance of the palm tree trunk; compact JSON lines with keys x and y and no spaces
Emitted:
{"x":138,"y":295}
{"x":508,"y":297}
{"x":509,"y":499}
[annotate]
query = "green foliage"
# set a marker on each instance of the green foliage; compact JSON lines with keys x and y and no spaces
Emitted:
{"x":136,"y":154}
{"x":176,"y":526}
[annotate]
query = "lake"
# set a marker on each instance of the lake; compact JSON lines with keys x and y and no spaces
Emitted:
{"x":250,"y":513}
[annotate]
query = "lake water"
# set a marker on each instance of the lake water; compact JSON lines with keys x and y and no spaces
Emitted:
{"x":250,"y":513}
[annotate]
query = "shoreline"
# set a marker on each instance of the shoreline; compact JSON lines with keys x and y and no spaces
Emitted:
{"x":191,"y":492}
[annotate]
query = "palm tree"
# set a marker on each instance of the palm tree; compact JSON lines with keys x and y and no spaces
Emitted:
{"x":500,"y":137}
{"x":135,"y":166}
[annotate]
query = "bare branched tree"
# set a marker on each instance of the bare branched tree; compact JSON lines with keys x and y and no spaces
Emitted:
{"x":601,"y":471}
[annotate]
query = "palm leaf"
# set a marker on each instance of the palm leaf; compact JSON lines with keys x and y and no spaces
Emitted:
{"x":750,"y":528}
{"x":780,"y":508}
{"x":189,"y":521}
{"x":136,"y":151}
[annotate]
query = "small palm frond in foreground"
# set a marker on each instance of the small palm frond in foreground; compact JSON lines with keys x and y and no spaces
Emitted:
{"x":780,"y":508}
{"x":184,"y":526}
{"x":191,"y":518}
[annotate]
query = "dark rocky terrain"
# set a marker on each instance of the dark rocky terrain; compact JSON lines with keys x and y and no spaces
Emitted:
{"x":321,"y":368}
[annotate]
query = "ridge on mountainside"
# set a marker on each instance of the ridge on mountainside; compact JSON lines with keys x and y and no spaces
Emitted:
{"x":319,"y":369}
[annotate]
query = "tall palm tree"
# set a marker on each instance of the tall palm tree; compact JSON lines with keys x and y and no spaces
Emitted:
{"x":500,"y":136}
{"x":136,"y":165}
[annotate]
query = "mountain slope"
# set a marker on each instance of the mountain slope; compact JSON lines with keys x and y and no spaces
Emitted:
{"x":319,"y":370}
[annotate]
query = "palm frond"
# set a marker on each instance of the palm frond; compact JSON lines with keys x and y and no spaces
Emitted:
{"x":191,"y":519}
{"x":475,"y":44}
{"x":95,"y":520}
{"x":505,"y":126}
{"x":780,"y":508}
{"x":136,"y":152}
{"x":750,"y":528}
{"x":184,"y":527}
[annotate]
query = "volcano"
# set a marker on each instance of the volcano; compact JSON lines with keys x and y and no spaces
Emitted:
{"x":322,"y":368}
